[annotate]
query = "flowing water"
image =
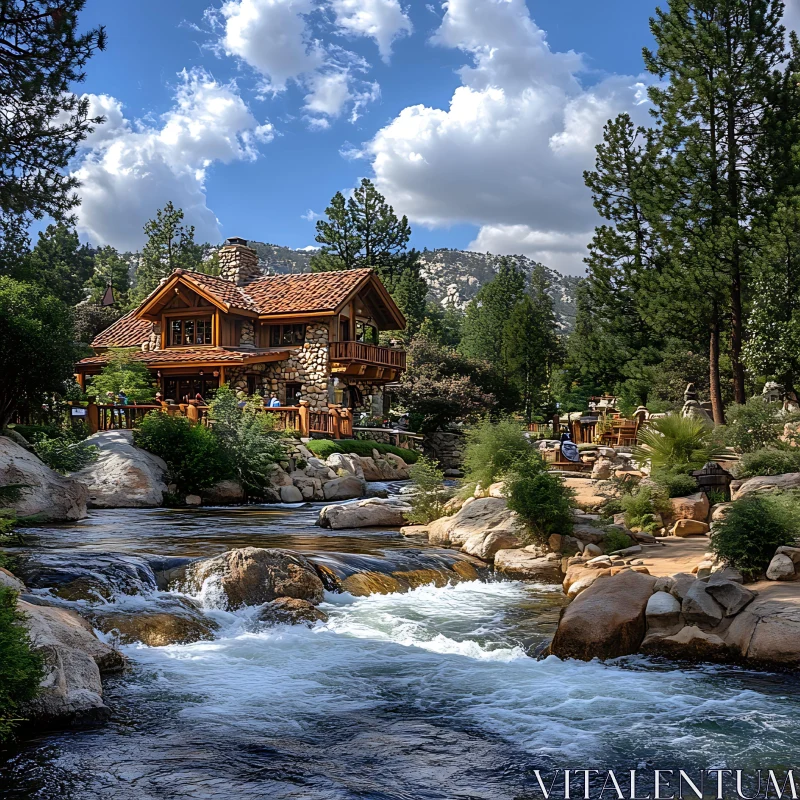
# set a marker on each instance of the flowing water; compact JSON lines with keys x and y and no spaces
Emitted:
{"x":431,"y":693}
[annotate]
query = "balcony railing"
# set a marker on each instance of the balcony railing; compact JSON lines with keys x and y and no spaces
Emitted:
{"x":368,"y":354}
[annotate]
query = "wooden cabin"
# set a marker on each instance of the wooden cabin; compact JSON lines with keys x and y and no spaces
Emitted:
{"x":310,"y":337}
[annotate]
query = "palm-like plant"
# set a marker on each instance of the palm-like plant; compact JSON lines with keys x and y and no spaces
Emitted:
{"x":675,"y":443}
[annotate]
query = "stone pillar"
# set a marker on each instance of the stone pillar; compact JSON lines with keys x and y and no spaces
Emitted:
{"x":238,"y":263}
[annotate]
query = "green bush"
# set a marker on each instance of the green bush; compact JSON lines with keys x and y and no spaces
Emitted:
{"x":616,"y":540}
{"x":539,"y":497}
{"x":769,"y":461}
{"x":753,"y":528}
{"x":123,"y":373}
{"x":248,"y":437}
{"x":322,"y":448}
{"x":641,"y":506}
{"x":30,"y":432}
{"x":751,"y":426}
{"x":492,"y":449}
{"x":65,"y":453}
{"x":675,"y":443}
{"x":194,"y":456}
{"x":429,"y":497}
{"x":21,"y":669}
{"x":675,"y":484}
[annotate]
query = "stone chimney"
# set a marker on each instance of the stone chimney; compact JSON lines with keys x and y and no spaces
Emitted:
{"x":238,"y":263}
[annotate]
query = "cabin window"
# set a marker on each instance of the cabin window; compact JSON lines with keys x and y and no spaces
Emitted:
{"x":286,"y":335}
{"x":190,"y":332}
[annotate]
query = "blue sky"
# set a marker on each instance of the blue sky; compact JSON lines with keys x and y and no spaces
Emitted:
{"x":251,"y":113}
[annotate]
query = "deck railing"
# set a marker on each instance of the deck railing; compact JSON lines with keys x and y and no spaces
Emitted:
{"x":368,"y":354}
{"x":334,"y":421}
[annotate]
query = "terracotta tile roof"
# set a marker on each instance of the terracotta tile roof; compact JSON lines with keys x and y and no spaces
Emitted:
{"x":211,"y":355}
{"x":127,"y":331}
{"x":312,"y":291}
{"x":229,"y":293}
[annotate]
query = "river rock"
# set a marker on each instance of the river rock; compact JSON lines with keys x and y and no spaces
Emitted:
{"x":290,"y":611}
{"x":48,"y":494}
{"x":587,"y":496}
{"x":529,"y":564}
{"x":346,"y":488}
{"x":689,"y":527}
{"x":607,"y":619}
{"x":251,"y":576}
{"x":681,"y":583}
{"x":485,"y":544}
{"x":588,"y":534}
{"x":350,"y":464}
{"x":74,"y":658}
{"x":291,"y":494}
{"x":369,"y":469}
{"x":700,"y":608}
{"x":9,"y":581}
{"x":224,"y":493}
{"x":720,"y":511}
{"x":124,"y":476}
{"x":370,"y":513}
{"x":792,"y":552}
{"x":724,"y":575}
{"x":583,"y":579}
{"x":689,"y":643}
{"x":781,"y":568}
{"x":767,"y":483}
{"x":767,"y":632}
{"x":663,"y":613}
{"x":731,"y":596}
{"x":602,"y":469}
{"x":693,"y":506}
{"x":480,"y":516}
{"x":155,"y":628}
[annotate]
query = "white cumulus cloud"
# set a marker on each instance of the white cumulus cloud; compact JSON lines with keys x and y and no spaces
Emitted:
{"x":509,"y":152}
{"x":381,"y":20}
{"x":129,"y":170}
{"x":283,"y":41}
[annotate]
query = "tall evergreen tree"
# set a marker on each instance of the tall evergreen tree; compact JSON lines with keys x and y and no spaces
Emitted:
{"x":59,"y":263}
{"x":170,"y":245}
{"x":716,"y":60}
{"x":42,"y":56}
{"x":364,"y":231}
{"x":531,"y":346}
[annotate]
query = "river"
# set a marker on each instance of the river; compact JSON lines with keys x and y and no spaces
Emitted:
{"x":432,"y":693}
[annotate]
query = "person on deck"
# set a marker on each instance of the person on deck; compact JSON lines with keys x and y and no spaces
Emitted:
{"x":199,"y":399}
{"x":273,"y":401}
{"x":123,"y":398}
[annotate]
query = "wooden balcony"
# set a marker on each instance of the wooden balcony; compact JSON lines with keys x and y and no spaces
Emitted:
{"x":371,"y":355}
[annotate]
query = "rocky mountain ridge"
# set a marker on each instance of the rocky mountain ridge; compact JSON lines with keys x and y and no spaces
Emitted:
{"x":454,"y":276}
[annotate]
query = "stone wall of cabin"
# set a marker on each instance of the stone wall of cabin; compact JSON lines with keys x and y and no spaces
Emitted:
{"x":307,"y":365}
{"x":153,"y":342}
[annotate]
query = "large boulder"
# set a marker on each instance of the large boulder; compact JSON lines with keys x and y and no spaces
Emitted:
{"x":689,"y":527}
{"x":251,"y":576}
{"x":47,"y":493}
{"x":607,"y":619}
{"x":732,"y":596}
{"x":291,"y":494}
{"x":767,"y":483}
{"x":767,"y":632}
{"x":157,"y":628}
{"x":74,"y":658}
{"x":373,"y":512}
{"x":347,"y":463}
{"x":124,"y":476}
{"x":224,"y":493}
{"x":700,"y":608}
{"x":663,"y":613}
{"x":781,"y":568}
{"x":369,"y":469}
{"x":488,"y":514}
{"x":693,"y":506}
{"x":529,"y":564}
{"x":347,"y":488}
{"x":10,"y":581}
{"x":289,"y":611}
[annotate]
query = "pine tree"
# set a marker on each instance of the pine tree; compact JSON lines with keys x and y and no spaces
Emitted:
{"x":110,"y":269}
{"x":716,"y":60}
{"x":42,"y":56}
{"x":363,"y":232}
{"x":487,"y":313}
{"x":170,"y":246}
{"x":59,"y":263}
{"x":531,"y":347}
